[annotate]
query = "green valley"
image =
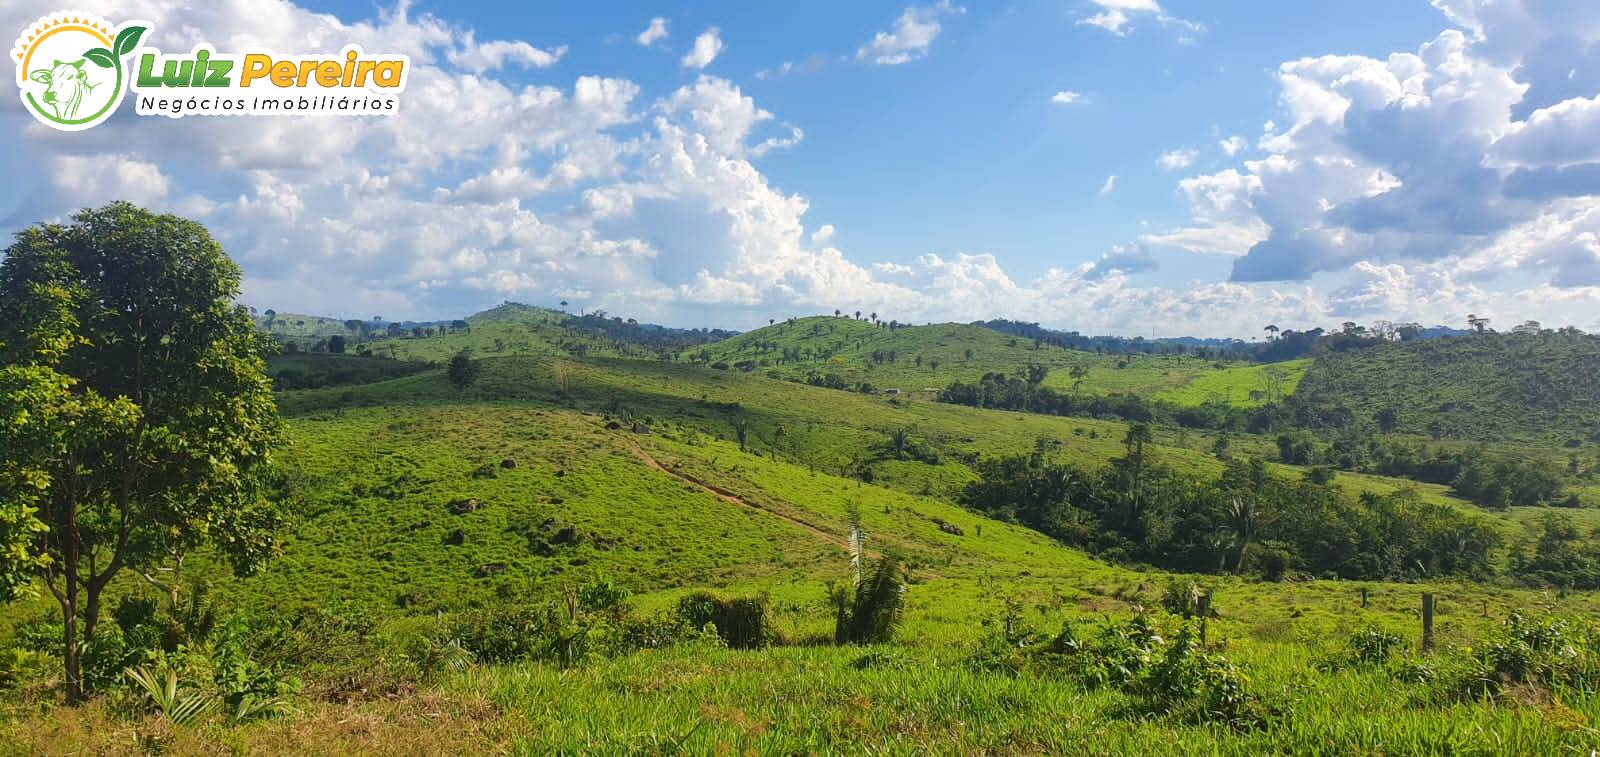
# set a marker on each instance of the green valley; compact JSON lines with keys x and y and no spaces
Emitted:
{"x":531,"y":531}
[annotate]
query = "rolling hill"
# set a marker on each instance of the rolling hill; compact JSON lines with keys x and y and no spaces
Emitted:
{"x":844,"y":351}
{"x":824,"y":430}
{"x":418,"y":507}
{"x":1542,"y":388}
{"x":517,"y":329}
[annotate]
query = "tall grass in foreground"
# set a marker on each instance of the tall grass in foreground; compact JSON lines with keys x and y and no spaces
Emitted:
{"x":818,"y":700}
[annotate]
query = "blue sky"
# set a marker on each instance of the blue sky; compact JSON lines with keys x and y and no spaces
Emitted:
{"x":1301,"y":163}
{"x":963,"y":149}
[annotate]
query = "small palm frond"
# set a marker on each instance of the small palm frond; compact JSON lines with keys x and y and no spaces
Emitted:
{"x":179,"y":707}
{"x":251,"y":707}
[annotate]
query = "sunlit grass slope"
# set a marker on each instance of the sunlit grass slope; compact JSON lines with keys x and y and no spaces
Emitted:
{"x":1535,"y":388}
{"x":553,"y":484}
{"x":915,"y":358}
{"x":827,"y":430}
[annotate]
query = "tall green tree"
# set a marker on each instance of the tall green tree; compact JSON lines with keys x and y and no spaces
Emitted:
{"x":135,"y":411}
{"x":463,"y":370}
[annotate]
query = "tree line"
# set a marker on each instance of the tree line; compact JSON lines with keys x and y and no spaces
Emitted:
{"x":1244,"y":521}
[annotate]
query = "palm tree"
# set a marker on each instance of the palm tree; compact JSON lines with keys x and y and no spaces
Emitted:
{"x":1139,"y":435}
{"x":899,"y":442}
{"x":1242,"y":520}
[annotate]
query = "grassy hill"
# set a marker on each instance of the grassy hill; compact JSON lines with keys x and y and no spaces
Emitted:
{"x":543,"y":445}
{"x":433,"y":527}
{"x":417,"y":505}
{"x":915,"y":358}
{"x":829,"y":431}
{"x":1539,"y":388}
{"x":516,"y":329}
{"x":300,"y":326}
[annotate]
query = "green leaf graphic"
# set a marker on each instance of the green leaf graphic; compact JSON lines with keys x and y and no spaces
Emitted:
{"x":127,"y":39}
{"x":100,"y":57}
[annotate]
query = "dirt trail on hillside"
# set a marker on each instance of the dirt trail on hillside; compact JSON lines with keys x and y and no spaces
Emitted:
{"x":733,"y":498}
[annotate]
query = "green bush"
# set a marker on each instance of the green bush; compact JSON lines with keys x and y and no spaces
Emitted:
{"x":1165,"y":669}
{"x":1370,"y":647}
{"x":1183,"y":597}
{"x":584,"y":625}
{"x":742,"y":623}
{"x":601,"y":594}
{"x":20,"y":667}
{"x":500,"y":635}
{"x":1197,"y":685}
{"x":1374,"y":646}
{"x":1554,"y":654}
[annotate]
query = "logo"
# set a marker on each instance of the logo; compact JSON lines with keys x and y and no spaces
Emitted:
{"x":71,"y":68}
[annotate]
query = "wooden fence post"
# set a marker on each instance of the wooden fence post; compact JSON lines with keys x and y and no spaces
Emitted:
{"x":1363,"y":597}
{"x":1427,"y":621}
{"x":1203,"y":607}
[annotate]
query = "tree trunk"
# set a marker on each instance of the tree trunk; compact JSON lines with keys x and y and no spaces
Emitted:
{"x":69,"y":604}
{"x":74,"y":667}
{"x":91,"y":611}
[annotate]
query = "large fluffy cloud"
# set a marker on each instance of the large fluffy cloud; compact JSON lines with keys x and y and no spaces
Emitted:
{"x":1473,"y":156}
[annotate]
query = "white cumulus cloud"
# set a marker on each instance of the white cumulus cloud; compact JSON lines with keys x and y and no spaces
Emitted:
{"x":1174,"y":160}
{"x":655,"y":32}
{"x":706,"y":48}
{"x":913,"y":33}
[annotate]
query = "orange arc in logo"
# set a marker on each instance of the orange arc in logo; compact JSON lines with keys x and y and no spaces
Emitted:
{"x":34,"y":44}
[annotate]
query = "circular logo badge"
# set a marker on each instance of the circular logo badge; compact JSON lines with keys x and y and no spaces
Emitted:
{"x":70,"y":68}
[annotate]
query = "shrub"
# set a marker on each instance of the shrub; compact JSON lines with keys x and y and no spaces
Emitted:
{"x":248,"y":682}
{"x":1166,"y":671}
{"x":584,"y":625}
{"x":21,"y":667}
{"x":1197,"y":685}
{"x":1184,"y":597}
{"x":601,"y":594}
{"x":741,"y":623}
{"x":658,"y":632}
{"x":1369,"y":646}
{"x":105,"y":657}
{"x":1005,"y":650}
{"x":1374,"y":645}
{"x":1548,"y":653}
{"x":500,"y":635}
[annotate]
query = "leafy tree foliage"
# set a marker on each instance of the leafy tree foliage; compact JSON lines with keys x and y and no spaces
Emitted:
{"x":1539,"y":386}
{"x":1472,"y":473}
{"x":1027,"y":394}
{"x":1560,"y":555}
{"x":463,"y":370}
{"x":1245,"y":521}
{"x":137,"y":417}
